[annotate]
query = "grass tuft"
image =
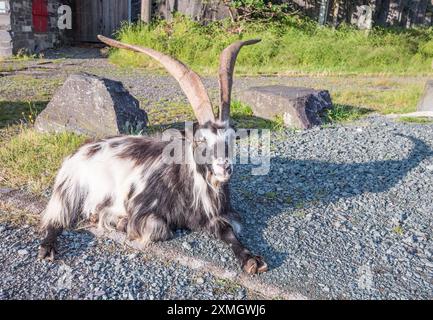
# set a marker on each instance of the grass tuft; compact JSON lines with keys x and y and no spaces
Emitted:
{"x":390,"y":98}
{"x":398,"y":230}
{"x":344,"y":113}
{"x":15,"y":112}
{"x":243,"y":117}
{"x":32,"y":159}
{"x":239,"y":109}
{"x":418,"y":120}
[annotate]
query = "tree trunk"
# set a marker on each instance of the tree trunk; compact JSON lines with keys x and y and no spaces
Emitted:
{"x":417,"y":11}
{"x":380,"y":14}
{"x":323,"y":15}
{"x":396,"y":13}
{"x":335,"y":13}
{"x":146,"y":11}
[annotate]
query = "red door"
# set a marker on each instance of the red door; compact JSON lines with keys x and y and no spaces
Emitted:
{"x":40,"y":15}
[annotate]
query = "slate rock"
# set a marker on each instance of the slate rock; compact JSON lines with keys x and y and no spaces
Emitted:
{"x":94,"y":106}
{"x":299,"y":107}
{"x":426,"y":102}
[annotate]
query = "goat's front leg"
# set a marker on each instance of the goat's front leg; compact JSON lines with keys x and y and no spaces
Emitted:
{"x":250,"y":263}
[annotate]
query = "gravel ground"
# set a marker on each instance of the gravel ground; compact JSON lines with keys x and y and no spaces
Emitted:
{"x":92,"y":268}
{"x":345,"y":212}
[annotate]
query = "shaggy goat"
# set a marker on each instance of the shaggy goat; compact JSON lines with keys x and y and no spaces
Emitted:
{"x":125,"y":183}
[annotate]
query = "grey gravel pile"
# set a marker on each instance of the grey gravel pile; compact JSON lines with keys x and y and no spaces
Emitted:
{"x":91,"y":268}
{"x":345,"y":212}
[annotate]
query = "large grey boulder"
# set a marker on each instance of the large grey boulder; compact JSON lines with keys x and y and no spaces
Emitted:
{"x":426,"y":102}
{"x":299,"y":107}
{"x":87,"y":104}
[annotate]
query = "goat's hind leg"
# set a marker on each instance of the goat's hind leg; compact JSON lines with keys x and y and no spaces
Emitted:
{"x":61,"y":212}
{"x":54,"y":219}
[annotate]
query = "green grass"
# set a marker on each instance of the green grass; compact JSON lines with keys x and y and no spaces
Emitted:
{"x":397,"y":98}
{"x":226,"y":286}
{"x":165,"y":115}
{"x":293,"y":46}
{"x":398,"y":230}
{"x":344,"y":113}
{"x":338,"y":58}
{"x":13,"y":112}
{"x":167,"y":112}
{"x":22,"y":55}
{"x":32,"y":159}
{"x":243,"y":117}
{"x":271,"y":195}
{"x":417,"y":120}
{"x":239,"y":109}
{"x":28,"y":88}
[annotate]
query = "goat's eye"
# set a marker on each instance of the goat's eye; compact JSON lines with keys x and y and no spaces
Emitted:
{"x":201,"y":140}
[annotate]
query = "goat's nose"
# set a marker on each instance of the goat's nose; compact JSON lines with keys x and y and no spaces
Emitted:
{"x":221,"y":162}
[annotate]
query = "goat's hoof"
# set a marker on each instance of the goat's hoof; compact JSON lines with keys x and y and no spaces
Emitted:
{"x":122,"y":224}
{"x":46,"y":252}
{"x":254,"y":265}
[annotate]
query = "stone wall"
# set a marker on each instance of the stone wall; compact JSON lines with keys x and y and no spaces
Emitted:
{"x":5,"y":26}
{"x":22,"y":38}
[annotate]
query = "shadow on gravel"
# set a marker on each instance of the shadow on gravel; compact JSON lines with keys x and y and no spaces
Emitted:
{"x":75,"y":244}
{"x":313,"y":182}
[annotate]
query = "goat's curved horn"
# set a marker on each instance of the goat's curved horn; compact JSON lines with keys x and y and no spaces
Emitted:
{"x":189,"y":81}
{"x":227,"y":66}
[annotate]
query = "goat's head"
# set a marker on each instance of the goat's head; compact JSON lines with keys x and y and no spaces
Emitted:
{"x":213,"y":138}
{"x":212,"y":149}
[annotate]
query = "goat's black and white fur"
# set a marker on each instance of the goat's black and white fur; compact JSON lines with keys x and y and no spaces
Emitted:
{"x":123,"y":183}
